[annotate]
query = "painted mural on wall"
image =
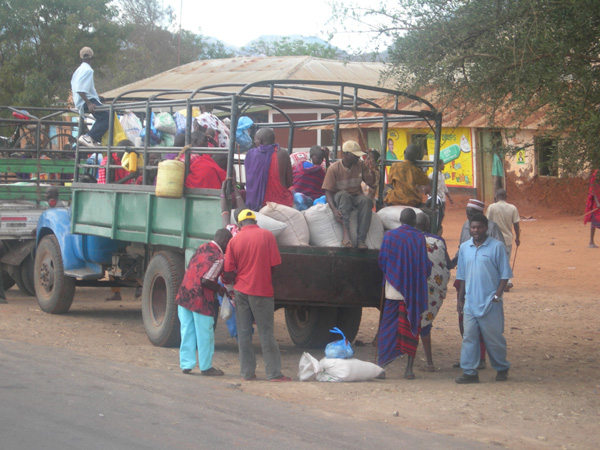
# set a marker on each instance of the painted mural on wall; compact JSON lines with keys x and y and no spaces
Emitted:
{"x":456,"y":152}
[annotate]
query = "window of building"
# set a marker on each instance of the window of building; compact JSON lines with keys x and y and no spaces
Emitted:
{"x":545,"y":151}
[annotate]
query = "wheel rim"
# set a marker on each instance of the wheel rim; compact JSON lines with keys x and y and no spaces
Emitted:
{"x":47,"y":274}
{"x":158,"y":300}
{"x":301,"y":316}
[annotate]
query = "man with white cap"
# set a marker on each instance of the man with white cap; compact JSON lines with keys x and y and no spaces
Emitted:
{"x":344,"y":193}
{"x":86,"y":99}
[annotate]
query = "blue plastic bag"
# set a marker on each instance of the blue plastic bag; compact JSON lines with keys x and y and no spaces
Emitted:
{"x":339,"y":349}
{"x":242,"y":134}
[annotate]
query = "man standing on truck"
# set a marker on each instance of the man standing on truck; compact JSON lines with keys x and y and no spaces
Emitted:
{"x":404,"y":262}
{"x":197,"y":305}
{"x":250,"y":258}
{"x":344,"y":193}
{"x":86,"y":99}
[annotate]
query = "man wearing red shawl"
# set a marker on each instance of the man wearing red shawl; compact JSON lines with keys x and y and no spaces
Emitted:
{"x":592,"y":207}
{"x":406,"y":267}
{"x":205,"y":173}
{"x":197,"y":305}
{"x":268,"y":172}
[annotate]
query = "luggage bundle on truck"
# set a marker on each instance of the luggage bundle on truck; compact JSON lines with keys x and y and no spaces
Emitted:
{"x":36,"y":161}
{"x":141,"y":239}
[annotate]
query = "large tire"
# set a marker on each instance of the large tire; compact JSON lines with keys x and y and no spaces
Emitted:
{"x":54,"y":290}
{"x":309,"y":326}
{"x":7,"y":280}
{"x":159,"y":310}
{"x":348,"y":320}
{"x":23,"y":276}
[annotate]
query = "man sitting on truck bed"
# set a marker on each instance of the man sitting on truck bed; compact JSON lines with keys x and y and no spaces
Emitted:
{"x":344,"y":193}
{"x":268,"y":172}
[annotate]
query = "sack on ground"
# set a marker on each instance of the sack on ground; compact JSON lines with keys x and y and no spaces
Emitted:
{"x":374,"y":236}
{"x":296,"y":232}
{"x":390,"y":215}
{"x":339,"y":349}
{"x":324,"y":230}
{"x":266,"y":223}
{"x":337,"y":370}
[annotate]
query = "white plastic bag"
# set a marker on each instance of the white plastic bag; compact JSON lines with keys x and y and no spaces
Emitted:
{"x":390,"y":215}
{"x":131,"y":125}
{"x":226,"y":308}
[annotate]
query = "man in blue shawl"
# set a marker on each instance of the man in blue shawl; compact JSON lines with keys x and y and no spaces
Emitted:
{"x":406,"y":267}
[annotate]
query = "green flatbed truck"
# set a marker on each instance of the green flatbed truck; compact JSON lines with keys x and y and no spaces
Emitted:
{"x":140,"y":238}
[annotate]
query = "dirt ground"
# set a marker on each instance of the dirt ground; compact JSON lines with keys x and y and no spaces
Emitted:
{"x":552,"y":397}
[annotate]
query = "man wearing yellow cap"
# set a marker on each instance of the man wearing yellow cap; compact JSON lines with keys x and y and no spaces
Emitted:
{"x":86,"y":99}
{"x":344,"y":193}
{"x":250,"y":258}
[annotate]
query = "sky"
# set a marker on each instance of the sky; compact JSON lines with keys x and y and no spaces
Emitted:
{"x":236,"y":23}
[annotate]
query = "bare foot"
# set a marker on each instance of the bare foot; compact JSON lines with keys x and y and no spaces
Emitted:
{"x":428,"y":368}
{"x":409,"y":375}
{"x":592,"y":246}
{"x":116,"y":297}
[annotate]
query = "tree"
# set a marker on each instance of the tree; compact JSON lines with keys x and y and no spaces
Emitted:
{"x":152,"y":47}
{"x":40,"y":42}
{"x":284,"y":46}
{"x":523,"y":56}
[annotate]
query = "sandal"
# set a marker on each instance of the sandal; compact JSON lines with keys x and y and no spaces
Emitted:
{"x":347,"y":244}
{"x":362,"y":246}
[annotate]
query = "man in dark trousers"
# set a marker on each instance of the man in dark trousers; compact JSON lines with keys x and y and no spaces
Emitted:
{"x":483,"y":272}
{"x":250,"y":258}
{"x":86,"y":99}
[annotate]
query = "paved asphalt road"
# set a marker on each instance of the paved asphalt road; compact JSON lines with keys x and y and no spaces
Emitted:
{"x":55,"y":399}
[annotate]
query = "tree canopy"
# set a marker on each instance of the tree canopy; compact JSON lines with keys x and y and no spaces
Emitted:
{"x":497,"y":55}
{"x":286,"y":46}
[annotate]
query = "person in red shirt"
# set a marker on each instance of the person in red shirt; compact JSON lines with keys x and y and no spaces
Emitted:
{"x":197,"y":305}
{"x":250,"y":258}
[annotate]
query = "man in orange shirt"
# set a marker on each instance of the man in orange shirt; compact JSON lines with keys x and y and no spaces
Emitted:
{"x":250,"y":258}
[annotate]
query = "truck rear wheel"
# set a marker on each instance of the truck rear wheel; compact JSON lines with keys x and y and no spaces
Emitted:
{"x":23,"y":276}
{"x":54,"y":290}
{"x":348,"y":320}
{"x":7,"y":280}
{"x":309,"y":326}
{"x":159,"y":310}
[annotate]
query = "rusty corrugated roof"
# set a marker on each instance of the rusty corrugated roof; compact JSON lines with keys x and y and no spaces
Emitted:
{"x":251,"y":69}
{"x":453,"y":116}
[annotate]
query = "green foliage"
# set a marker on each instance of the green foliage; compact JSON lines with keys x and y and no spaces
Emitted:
{"x":40,"y":42}
{"x":522,"y":56}
{"x":284,"y":46}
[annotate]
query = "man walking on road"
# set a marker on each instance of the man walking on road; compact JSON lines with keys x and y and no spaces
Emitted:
{"x":86,"y":99}
{"x":250,"y":258}
{"x":507,"y":217}
{"x":483,"y":272}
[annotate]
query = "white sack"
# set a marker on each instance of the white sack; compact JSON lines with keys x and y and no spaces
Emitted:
{"x":375,"y":234}
{"x":337,"y":370}
{"x":324,"y":230}
{"x":265,"y":222}
{"x":390,"y":215}
{"x":296,"y":232}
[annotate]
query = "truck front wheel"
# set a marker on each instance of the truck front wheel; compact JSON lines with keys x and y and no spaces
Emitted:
{"x":54,"y":290}
{"x":309,"y":326}
{"x":159,"y":310}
